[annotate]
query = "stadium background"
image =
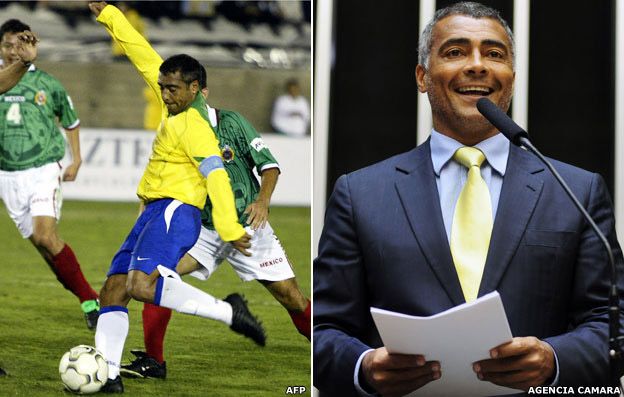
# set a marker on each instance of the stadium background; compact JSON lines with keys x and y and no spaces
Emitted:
{"x":569,"y":90}
{"x":249,"y":55}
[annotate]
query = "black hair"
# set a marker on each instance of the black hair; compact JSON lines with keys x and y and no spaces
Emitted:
{"x":13,"y":26}
{"x":203,"y":78}
{"x":465,"y":8}
{"x":189,"y":67}
{"x":291,"y":82}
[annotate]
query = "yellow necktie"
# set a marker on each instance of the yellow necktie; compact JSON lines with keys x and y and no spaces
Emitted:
{"x":472,"y":223}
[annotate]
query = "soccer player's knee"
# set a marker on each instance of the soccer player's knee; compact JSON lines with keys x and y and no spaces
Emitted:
{"x":113,"y":292}
{"x":140,"y":290}
{"x":43,"y":240}
{"x":288,"y":294}
{"x":48,"y":240}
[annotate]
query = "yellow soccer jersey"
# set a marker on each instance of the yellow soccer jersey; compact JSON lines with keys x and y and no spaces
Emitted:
{"x":182,"y":142}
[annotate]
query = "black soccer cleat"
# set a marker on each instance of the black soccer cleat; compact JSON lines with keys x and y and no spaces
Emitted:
{"x":144,"y":366}
{"x":92,"y":318}
{"x":2,"y":372}
{"x":91,"y":309}
{"x":243,"y":321}
{"x":113,"y":386}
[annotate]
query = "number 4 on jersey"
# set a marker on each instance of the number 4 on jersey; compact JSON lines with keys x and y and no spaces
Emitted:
{"x":14,"y":115}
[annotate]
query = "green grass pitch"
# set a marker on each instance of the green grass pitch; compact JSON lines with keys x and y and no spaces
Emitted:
{"x":40,"y":320}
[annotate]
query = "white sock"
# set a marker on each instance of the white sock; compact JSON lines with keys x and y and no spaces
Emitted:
{"x":184,"y":298}
{"x":110,"y":336}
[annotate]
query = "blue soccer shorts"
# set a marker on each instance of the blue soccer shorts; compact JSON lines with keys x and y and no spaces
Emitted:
{"x":164,"y":232}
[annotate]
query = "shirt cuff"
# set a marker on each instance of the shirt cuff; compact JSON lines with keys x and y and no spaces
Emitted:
{"x":555,"y":382}
{"x":356,"y":376}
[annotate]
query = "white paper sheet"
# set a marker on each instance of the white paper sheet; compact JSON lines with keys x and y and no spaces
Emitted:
{"x":456,"y":338}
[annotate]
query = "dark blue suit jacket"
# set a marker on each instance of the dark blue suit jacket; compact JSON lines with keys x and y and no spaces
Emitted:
{"x":384,"y":245}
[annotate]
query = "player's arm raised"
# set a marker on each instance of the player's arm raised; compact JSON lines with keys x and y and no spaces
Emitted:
{"x":137,"y":49}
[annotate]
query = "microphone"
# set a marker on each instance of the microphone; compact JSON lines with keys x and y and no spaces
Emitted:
{"x":520,"y":137}
{"x":501,"y":121}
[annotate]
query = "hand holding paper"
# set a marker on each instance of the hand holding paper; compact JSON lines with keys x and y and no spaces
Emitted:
{"x":521,"y":363}
{"x":397,"y":374}
{"x":456,"y":338}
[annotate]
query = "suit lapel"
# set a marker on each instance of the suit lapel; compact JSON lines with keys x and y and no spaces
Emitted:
{"x":521,"y":189}
{"x":418,"y":192}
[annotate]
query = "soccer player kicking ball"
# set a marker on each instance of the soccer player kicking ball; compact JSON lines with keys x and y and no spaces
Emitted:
{"x":31,"y":147}
{"x":184,"y":167}
{"x":243,"y":150}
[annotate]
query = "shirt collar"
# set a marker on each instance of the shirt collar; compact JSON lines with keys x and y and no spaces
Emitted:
{"x":212,"y":116}
{"x":496,"y":150}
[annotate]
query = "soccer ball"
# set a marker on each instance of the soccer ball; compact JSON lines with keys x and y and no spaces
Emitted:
{"x":83,"y":370}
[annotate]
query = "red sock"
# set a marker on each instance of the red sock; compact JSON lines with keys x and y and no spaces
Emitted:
{"x":68,"y":271}
{"x":302,"y":320}
{"x":155,"y":321}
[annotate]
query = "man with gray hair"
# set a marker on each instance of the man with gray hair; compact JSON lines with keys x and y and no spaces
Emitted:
{"x":460,"y":216}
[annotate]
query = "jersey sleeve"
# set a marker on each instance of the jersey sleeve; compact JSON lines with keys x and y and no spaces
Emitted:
{"x":260,"y":153}
{"x":64,"y":108}
{"x":200,"y":144}
{"x":137,"y":49}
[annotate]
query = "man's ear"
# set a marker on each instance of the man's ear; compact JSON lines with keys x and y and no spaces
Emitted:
{"x":420,"y":78}
{"x":205,"y":92}
{"x":194,"y":87}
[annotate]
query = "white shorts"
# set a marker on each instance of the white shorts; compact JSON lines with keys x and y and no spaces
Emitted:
{"x":268,"y":260}
{"x":32,"y":192}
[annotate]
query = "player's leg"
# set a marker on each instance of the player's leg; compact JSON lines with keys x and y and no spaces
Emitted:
{"x":271,"y":267}
{"x":45,"y":201}
{"x":32,"y":195}
{"x":164,"y":241}
{"x":288,"y":294}
{"x":151,"y":363}
{"x":156,"y":319}
{"x":171,"y":231}
{"x":112,"y":327}
{"x":63,"y":261}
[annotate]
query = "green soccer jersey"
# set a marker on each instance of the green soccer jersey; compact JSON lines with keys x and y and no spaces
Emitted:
{"x":242,"y":150}
{"x":29,"y":134}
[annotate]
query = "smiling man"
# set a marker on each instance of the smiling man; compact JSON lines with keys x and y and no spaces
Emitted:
{"x":460,"y":216}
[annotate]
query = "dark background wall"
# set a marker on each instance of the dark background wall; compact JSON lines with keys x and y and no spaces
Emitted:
{"x":571,"y":83}
{"x":373,"y":93}
{"x":571,"y":87}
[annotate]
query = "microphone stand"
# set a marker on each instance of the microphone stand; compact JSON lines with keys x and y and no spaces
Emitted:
{"x":615,"y":347}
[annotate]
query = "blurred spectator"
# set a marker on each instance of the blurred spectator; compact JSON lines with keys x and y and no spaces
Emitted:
{"x":201,"y":9}
{"x":291,"y":111}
